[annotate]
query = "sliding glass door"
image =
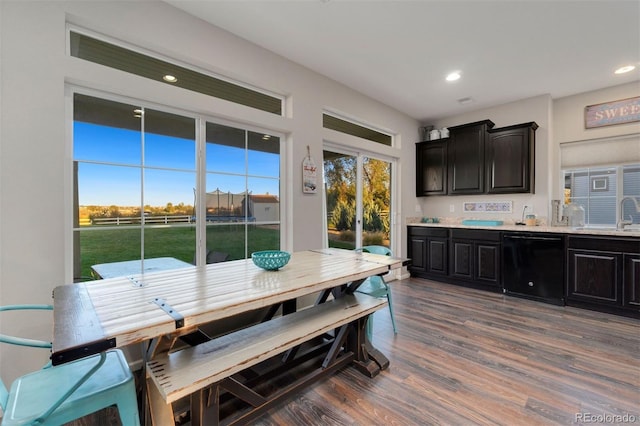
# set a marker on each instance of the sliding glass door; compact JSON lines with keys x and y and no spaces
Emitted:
{"x":358,"y":199}
{"x":148,"y":186}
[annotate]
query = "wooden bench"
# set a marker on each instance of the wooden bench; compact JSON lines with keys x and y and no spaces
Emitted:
{"x":191,"y":371}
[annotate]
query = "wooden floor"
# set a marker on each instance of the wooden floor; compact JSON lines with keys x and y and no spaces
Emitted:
{"x":465,"y":357}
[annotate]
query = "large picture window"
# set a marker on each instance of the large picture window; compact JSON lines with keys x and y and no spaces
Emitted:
{"x":136,"y":188}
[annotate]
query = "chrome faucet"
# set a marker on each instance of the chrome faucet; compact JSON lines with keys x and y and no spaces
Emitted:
{"x":622,"y":223}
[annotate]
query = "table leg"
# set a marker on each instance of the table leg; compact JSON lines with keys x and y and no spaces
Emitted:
{"x":368,"y":360}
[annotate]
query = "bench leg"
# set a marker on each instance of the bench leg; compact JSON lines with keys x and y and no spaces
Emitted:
{"x":197,"y":408}
{"x":161,"y":412}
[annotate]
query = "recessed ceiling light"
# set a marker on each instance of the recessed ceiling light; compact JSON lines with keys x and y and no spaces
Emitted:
{"x":625,"y":69}
{"x":170,"y":78}
{"x":453,"y":76}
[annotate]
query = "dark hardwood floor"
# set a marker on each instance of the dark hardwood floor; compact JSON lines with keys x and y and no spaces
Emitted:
{"x":465,"y":357}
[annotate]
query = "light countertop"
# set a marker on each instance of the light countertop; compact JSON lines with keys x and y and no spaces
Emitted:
{"x":539,"y":228}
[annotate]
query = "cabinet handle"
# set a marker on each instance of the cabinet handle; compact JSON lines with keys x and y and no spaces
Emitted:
{"x":517,"y":237}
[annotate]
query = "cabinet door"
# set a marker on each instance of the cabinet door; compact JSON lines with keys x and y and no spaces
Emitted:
{"x":631,"y":279}
{"x":594,"y":276}
{"x":510,"y":156}
{"x":438,"y":256}
{"x":431,"y":168}
{"x":417,"y":253}
{"x":487,"y":263}
{"x":461,"y":260}
{"x":465,"y":158}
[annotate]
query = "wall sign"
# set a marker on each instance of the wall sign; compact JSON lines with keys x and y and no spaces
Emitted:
{"x":610,"y":113}
{"x":488,"y":207}
{"x":309,"y":174}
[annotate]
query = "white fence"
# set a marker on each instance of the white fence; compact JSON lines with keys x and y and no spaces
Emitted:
{"x":147,"y":219}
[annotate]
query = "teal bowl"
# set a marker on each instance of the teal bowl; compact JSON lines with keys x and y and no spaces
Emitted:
{"x":271,"y":260}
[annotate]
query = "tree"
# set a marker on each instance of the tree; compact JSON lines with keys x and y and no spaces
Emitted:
{"x":340,"y":176}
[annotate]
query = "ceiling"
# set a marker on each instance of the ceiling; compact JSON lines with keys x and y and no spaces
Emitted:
{"x":399,"y":52}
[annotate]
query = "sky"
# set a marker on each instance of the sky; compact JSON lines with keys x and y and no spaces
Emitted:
{"x":110,"y":173}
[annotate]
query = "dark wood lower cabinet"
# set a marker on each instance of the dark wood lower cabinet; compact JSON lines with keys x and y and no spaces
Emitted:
{"x":438,"y":256}
{"x":476,"y":261}
{"x":604,"y":274}
{"x":488,"y":267}
{"x":428,"y":251}
{"x":462,"y":256}
{"x":417,"y":253}
{"x":631,"y":281}
{"x":462,"y":260}
{"x":594,"y":276}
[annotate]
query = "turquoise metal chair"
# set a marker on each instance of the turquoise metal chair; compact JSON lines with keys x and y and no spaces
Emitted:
{"x":376,"y":287}
{"x":61,"y":394}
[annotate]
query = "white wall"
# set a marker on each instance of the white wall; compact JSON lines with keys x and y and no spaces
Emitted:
{"x":35,"y":157}
{"x":569,"y":127}
{"x":569,"y":114}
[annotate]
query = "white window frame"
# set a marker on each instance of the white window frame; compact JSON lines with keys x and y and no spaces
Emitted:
{"x":200,"y":123}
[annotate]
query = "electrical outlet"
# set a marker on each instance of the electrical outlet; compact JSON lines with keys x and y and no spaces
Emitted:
{"x":452,"y":208}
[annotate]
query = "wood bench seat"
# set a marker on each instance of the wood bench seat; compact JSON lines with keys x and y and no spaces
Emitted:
{"x":187,"y":371}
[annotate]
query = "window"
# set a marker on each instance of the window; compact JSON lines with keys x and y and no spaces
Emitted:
{"x":136,"y":186}
{"x":243,"y":190}
{"x":128,"y":60}
{"x":334,"y":123}
{"x":600,"y":190}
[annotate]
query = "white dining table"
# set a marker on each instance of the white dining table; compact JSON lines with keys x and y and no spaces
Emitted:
{"x":93,"y":316}
{"x":160,"y":309}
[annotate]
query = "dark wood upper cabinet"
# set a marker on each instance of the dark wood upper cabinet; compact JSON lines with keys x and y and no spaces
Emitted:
{"x":478,"y":159}
{"x":466,"y":152}
{"x":510,"y":159}
{"x":431,"y":168}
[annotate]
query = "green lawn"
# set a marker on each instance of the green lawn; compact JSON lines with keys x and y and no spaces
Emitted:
{"x":114,"y":245}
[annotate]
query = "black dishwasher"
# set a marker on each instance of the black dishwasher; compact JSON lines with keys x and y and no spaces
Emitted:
{"x":533,"y":266}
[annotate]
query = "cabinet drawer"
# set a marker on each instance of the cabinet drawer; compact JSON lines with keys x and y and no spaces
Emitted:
{"x":626,"y":245}
{"x":422,"y":231}
{"x":475,"y":234}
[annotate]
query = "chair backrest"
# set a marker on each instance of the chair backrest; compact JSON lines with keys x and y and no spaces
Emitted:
{"x":20,"y":341}
{"x":377,"y":250}
{"x":216,"y":256}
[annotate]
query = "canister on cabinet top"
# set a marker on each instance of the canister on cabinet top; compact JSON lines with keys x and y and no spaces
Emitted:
{"x":435,"y":134}
{"x":530,"y":220}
